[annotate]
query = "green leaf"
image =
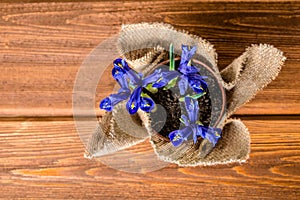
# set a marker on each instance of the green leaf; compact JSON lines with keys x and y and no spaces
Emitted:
{"x":171,"y":57}
{"x":195,"y":96}
{"x":181,"y":99}
{"x":199,"y":123}
{"x":171,"y":84}
{"x":145,"y":95}
{"x":151,"y":89}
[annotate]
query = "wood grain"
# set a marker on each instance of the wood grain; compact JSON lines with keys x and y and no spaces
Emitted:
{"x":42,"y":46}
{"x":44,"y":159}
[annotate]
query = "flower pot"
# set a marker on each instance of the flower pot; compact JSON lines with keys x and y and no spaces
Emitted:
{"x":166,"y":117}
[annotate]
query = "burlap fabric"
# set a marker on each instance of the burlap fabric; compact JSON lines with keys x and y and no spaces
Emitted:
{"x":144,"y":45}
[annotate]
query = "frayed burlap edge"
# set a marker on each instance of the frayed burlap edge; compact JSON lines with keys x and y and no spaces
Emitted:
{"x":110,"y":137}
{"x":233,"y":79}
{"x":225,"y":151}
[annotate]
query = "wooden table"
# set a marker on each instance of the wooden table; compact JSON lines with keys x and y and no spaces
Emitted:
{"x":42,"y":45}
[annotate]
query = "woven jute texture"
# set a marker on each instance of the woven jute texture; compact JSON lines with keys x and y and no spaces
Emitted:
{"x":144,"y":46}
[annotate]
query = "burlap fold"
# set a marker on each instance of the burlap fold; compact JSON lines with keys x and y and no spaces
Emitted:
{"x":144,"y":46}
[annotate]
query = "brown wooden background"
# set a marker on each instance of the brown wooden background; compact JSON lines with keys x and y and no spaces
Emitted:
{"x":42,"y":45}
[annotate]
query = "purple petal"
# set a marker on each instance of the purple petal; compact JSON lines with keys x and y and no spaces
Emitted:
{"x":152,"y":78}
{"x":133,"y":103}
{"x":211,"y":134}
{"x":176,"y":138}
{"x":106,"y":104}
{"x":120,"y":78}
{"x":166,"y":77}
{"x":120,"y":96}
{"x":186,"y":70}
{"x":147,"y":104}
{"x":118,"y":72}
{"x":185,"y":119}
{"x":134,"y":77}
{"x":122,"y":64}
{"x":200,"y":132}
{"x":197,"y":83}
{"x":192,"y":108}
{"x":195,"y":138}
{"x":187,"y":54}
{"x":183,"y":85}
{"x":186,"y":132}
{"x":161,"y":83}
{"x":109,"y":102}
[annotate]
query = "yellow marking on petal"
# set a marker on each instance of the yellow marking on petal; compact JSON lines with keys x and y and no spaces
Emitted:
{"x":132,"y":105}
{"x":177,"y":137}
{"x":160,"y":79}
{"x":120,"y":65}
{"x":217,"y":134}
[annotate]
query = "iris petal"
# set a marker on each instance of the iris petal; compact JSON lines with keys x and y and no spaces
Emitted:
{"x":134,"y":77}
{"x":192,"y":108}
{"x":183,"y":85}
{"x":106,"y":104}
{"x":176,"y":138}
{"x":133,"y":103}
{"x":122,"y":65}
{"x":122,"y":94}
{"x":212,"y":136}
{"x":118,"y":72}
{"x":119,"y":75}
{"x":198,"y":80}
{"x":195,"y":138}
{"x":199,"y":131}
{"x":187,"y":70}
{"x":160,"y":83}
{"x":187,"y":54}
{"x":185,"y":120}
{"x":166,"y":77}
{"x":210,"y":133}
{"x":109,"y":102}
{"x":186,"y":132}
{"x":122,"y":81}
{"x":196,"y":85}
{"x":152,"y":77}
{"x":147,"y":104}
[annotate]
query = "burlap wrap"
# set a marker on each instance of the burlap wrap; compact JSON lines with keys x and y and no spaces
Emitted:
{"x":144,"y":45}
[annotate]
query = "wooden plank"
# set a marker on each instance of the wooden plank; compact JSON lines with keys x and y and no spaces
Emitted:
{"x":44,"y":159}
{"x":42,"y":46}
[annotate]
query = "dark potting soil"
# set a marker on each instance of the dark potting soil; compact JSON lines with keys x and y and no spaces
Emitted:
{"x":166,"y":120}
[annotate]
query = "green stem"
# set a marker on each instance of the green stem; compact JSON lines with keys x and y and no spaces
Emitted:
{"x":171,"y":56}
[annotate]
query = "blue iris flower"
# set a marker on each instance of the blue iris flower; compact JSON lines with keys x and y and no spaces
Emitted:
{"x":122,"y":72}
{"x":137,"y":100}
{"x":124,"y":92}
{"x":188,"y":74}
{"x":193,"y":126}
